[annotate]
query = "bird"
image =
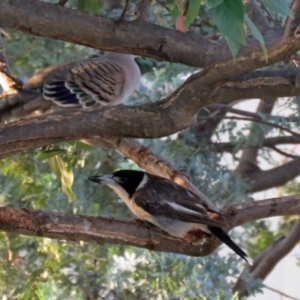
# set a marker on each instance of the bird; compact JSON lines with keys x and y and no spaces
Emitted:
{"x":167,"y":205}
{"x":107,"y":79}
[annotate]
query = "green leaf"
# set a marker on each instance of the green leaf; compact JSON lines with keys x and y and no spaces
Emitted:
{"x":66,"y":176}
{"x":49,"y":153}
{"x":233,"y":46}
{"x":72,"y":161}
{"x":192,"y":11}
{"x":256,"y":33}
{"x":229,"y":17}
{"x":173,"y":8}
{"x":92,"y":6}
{"x":84,"y":146}
{"x":212,"y":3}
{"x":278,"y":6}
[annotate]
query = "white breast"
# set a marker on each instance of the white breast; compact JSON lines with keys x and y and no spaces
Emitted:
{"x":136,"y":210}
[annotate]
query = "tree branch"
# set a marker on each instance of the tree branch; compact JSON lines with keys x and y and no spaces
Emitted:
{"x":131,"y":232}
{"x":279,"y":292}
{"x":283,"y":153}
{"x":149,"y":121}
{"x":260,"y":180}
{"x":291,"y":25}
{"x":256,"y":210}
{"x":98,"y":230}
{"x":142,"y":39}
{"x":257,"y":84}
{"x":265,"y":262}
{"x":142,"y":10}
{"x":255,"y":118}
{"x":268,"y":142}
{"x":248,"y":159}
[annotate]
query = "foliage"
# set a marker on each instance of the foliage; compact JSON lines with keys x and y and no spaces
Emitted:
{"x":37,"y":268}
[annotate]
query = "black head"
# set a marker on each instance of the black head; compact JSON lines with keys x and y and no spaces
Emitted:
{"x":129,"y":180}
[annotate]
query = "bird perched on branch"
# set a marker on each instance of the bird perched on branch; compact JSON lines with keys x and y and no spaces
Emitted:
{"x":108,"y":79}
{"x":168,"y":205}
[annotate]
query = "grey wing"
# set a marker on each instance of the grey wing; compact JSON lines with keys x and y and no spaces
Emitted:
{"x":102,"y":80}
{"x":85,"y":83}
{"x":55,"y":88}
{"x":183,"y":209}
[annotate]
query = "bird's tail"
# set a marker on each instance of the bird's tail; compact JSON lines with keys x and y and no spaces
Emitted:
{"x":226,"y":239}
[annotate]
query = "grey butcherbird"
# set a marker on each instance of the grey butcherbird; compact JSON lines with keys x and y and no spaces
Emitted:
{"x":167,"y":205}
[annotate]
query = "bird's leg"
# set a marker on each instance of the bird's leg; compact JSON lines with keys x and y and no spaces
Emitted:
{"x":148,"y":225}
{"x":194,"y":235}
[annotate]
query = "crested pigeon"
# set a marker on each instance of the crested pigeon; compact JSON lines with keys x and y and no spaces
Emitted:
{"x":108,"y":79}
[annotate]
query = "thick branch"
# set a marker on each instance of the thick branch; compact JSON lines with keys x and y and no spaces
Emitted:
{"x":149,"y":121}
{"x":260,"y":180}
{"x":281,"y":140}
{"x":292,"y":24}
{"x":256,"y":84}
{"x":53,"y":21}
{"x":205,"y":124}
{"x":276,"y":252}
{"x":248,"y":159}
{"x":260,"y":84}
{"x":256,"y":210}
{"x":97,"y":230}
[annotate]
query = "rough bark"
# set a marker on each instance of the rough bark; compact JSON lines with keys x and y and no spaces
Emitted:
{"x":135,"y":233}
{"x":144,"y":39}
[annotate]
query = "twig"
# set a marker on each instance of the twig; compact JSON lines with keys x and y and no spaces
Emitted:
{"x":257,"y":16}
{"x":142,"y":10}
{"x":164,"y":5}
{"x":260,"y":121}
{"x":283,"y":152}
{"x":268,"y":143}
{"x":253,"y":117}
{"x":124,"y":11}
{"x":279,"y":292}
{"x":272,"y":289}
{"x":269,"y":15}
